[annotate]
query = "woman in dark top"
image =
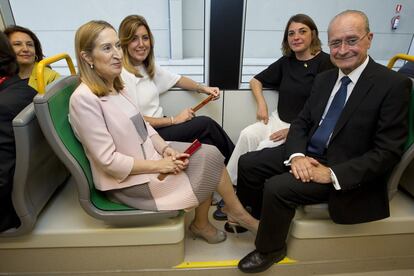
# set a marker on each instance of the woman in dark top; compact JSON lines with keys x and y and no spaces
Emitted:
{"x":29,"y":53}
{"x":15,"y":95}
{"x":292,"y":75}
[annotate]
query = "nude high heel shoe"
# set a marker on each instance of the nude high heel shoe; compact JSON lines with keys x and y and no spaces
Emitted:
{"x":235,"y":223}
{"x":220,"y":236}
{"x":234,"y":229}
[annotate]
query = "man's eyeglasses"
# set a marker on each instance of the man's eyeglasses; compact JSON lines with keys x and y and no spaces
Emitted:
{"x":349,"y":42}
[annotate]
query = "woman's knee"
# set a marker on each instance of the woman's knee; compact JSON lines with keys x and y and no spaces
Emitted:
{"x":250,"y":131}
{"x":211,"y":151}
{"x":205,"y":121}
{"x":253,"y":133}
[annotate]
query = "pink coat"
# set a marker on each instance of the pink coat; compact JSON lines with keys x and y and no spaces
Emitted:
{"x":111,"y":141}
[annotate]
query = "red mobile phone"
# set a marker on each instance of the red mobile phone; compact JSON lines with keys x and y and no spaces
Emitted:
{"x":190,"y":150}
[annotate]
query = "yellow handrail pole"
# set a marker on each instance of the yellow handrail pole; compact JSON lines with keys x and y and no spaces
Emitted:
{"x":397,"y":57}
{"x":46,"y":61}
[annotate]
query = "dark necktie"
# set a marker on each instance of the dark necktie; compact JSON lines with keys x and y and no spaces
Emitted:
{"x":321,"y":136}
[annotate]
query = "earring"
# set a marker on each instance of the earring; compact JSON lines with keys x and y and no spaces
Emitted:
{"x":91,"y":66}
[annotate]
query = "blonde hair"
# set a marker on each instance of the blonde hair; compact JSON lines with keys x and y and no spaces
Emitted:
{"x":85,"y":40}
{"x":127,"y":30}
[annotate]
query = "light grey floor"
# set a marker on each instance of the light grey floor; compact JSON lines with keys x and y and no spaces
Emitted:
{"x":237,"y":246}
{"x":408,"y":272}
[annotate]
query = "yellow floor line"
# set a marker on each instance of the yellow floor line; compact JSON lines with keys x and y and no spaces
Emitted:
{"x":225,"y":263}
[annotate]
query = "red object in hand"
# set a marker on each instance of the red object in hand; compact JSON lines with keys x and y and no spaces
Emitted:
{"x":190,"y":150}
{"x":202,"y":103}
{"x":193,"y":147}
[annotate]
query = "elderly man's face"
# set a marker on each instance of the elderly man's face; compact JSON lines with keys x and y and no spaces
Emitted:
{"x":348,"y":42}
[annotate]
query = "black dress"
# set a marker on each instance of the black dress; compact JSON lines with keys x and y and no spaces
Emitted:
{"x":15,"y":95}
{"x":293,"y":79}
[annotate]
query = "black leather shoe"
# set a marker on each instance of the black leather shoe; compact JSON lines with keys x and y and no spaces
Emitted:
{"x":219,"y":215}
{"x":230,"y":229}
{"x":256,"y":262}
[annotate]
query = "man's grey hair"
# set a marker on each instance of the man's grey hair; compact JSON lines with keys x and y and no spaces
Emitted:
{"x":356,"y":12}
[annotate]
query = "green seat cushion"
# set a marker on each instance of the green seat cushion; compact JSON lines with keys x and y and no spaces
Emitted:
{"x":410,"y":138}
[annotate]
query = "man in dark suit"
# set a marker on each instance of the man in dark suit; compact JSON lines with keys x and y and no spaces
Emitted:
{"x":348,"y":137}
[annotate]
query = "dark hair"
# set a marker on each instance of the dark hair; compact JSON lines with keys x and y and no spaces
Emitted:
{"x":8,"y":61}
{"x":315,"y":46}
{"x":38,"y":47}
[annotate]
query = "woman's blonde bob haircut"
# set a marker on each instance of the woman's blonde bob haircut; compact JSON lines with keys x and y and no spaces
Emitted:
{"x":315,"y":45}
{"x":85,"y":40}
{"x":127,"y":30}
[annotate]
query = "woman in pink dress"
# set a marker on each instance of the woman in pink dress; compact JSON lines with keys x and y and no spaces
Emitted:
{"x":127,"y":155}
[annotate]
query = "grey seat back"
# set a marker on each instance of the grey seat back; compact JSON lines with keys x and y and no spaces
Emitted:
{"x":52,"y":110}
{"x":38,"y":171}
{"x":404,"y":172}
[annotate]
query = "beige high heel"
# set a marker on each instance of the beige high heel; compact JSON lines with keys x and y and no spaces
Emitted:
{"x":233,"y":222}
{"x":220,"y":236}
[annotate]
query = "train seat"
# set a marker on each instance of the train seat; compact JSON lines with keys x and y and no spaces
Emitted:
{"x":407,"y":175}
{"x":66,"y":239}
{"x":313,"y":239}
{"x":52,"y":110}
{"x":38,"y":172}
